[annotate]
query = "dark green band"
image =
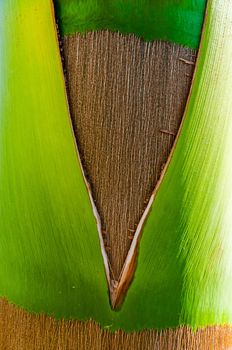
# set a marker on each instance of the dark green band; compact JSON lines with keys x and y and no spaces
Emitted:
{"x":179,"y":21}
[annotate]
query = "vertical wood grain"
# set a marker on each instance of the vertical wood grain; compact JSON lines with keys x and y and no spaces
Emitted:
{"x":20,"y":330}
{"x":127,"y":98}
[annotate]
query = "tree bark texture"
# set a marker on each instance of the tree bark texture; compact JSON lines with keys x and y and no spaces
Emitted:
{"x":127,"y":98}
{"x":20,"y":330}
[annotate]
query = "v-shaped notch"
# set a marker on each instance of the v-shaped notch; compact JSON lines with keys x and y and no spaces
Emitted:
{"x":124,"y":136}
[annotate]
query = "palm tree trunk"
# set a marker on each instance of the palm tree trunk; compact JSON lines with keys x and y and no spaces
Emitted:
{"x":127,"y":99}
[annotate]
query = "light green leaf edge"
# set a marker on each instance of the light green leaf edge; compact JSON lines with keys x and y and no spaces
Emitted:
{"x":51,"y":256}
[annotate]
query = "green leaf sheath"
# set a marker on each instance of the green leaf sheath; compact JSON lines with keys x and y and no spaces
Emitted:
{"x":49,"y":247}
{"x":50,"y":255}
{"x":179,"y":21}
{"x":184,"y":271}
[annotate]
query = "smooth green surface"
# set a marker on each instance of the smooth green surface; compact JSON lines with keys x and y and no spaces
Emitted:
{"x":177,"y":21}
{"x":50,"y":257}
